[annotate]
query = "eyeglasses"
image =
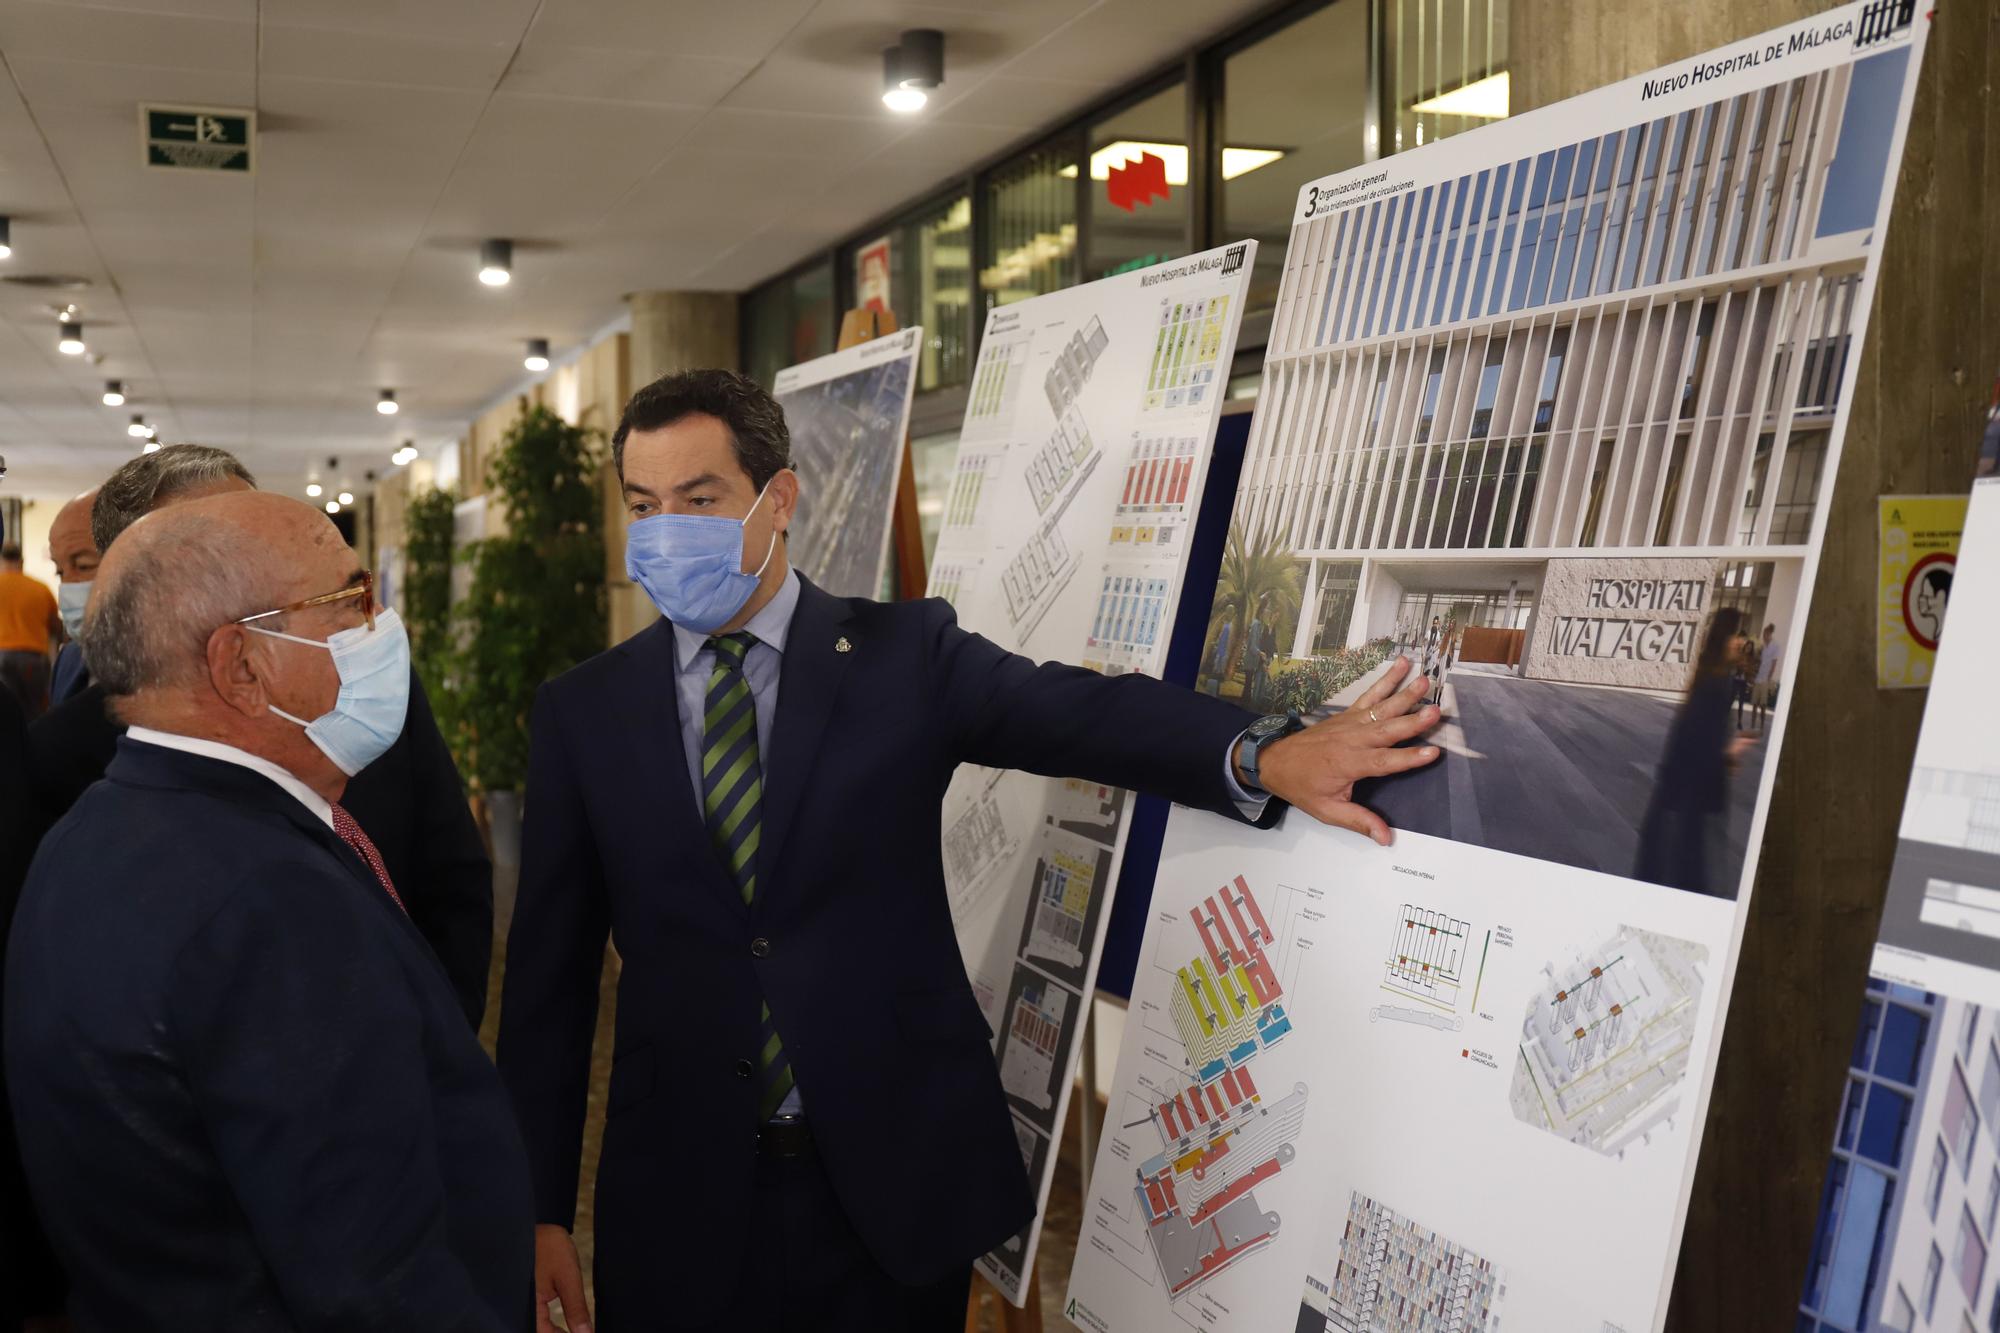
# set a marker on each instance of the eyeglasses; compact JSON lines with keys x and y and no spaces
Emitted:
{"x":363,"y":587}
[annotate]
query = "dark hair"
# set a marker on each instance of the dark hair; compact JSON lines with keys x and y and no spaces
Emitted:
{"x":756,"y":423}
{"x":150,"y":480}
{"x":1722,"y":627}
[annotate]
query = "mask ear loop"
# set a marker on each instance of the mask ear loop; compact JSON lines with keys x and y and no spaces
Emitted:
{"x":772,"y":549}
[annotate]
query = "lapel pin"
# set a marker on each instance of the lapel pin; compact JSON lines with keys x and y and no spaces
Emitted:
{"x":841,"y":645}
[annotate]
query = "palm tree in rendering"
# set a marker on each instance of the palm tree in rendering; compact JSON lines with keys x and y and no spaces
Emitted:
{"x":1260,"y":580}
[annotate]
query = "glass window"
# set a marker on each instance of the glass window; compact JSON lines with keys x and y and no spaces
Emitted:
{"x":1294,"y":109}
{"x":934,"y":458}
{"x":1139,"y":186}
{"x":1968,"y":1256}
{"x":1934,"y":1182}
{"x":1861,"y":1210}
{"x":1445,"y":67}
{"x":1992,"y":1201}
{"x":920,"y":270}
{"x":1932,"y":1269}
{"x":789,"y":320}
{"x":1901,"y":1314}
{"x":1902,"y":1044}
{"x":1882,"y":1125}
{"x":1030,"y":207}
{"x":1966,"y":1028}
{"x":1961,"y":1121}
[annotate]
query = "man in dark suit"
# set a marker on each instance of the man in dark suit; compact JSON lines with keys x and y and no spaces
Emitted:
{"x":805,"y":1126}
{"x":246,"y":1095}
{"x":75,"y":554}
{"x":411,"y":800}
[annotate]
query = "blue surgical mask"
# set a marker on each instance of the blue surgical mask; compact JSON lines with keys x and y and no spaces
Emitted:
{"x":691,"y":566}
{"x":71,"y":598}
{"x":367,"y":715}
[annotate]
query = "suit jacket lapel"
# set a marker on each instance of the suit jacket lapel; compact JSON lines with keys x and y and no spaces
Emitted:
{"x":814,"y":668}
{"x":661,"y":759}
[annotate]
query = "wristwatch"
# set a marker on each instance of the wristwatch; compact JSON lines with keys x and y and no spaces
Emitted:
{"x":1259,"y":734}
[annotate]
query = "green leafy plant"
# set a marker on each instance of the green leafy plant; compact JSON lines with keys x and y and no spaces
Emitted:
{"x":537,"y":601}
{"x":1260,"y":580}
{"x":427,"y":525}
{"x":1306,"y":683}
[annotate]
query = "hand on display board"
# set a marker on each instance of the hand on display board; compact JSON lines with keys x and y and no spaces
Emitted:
{"x":1316,"y":769}
{"x":558,"y":1276}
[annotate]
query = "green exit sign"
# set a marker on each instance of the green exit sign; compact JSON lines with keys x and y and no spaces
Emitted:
{"x":189,"y":138}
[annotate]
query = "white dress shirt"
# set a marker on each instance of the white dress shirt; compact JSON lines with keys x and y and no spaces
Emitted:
{"x":229,"y":754}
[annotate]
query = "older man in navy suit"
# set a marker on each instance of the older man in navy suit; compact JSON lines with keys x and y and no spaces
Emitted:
{"x":246,"y":1095}
{"x":805,"y":1127}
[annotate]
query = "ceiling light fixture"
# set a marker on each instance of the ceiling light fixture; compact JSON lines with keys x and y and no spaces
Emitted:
{"x":138,"y":429}
{"x":152,"y":447}
{"x":333,"y":506}
{"x":1483,"y":99}
{"x":69,"y":338}
{"x":911,"y":68}
{"x":537,"y":359}
{"x":114,"y":393}
{"x":496,"y":263}
{"x":6,"y":236}
{"x":312,"y":490}
{"x":345,"y":497}
{"x":387,"y":404}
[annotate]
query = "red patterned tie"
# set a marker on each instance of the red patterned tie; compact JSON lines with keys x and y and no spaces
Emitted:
{"x":351,"y":834}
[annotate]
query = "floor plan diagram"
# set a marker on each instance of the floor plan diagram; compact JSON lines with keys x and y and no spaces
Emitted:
{"x":1152,"y":503}
{"x":1604,"y":1044}
{"x":1187,"y":348}
{"x":1125,"y":634}
{"x":1034,"y":1029}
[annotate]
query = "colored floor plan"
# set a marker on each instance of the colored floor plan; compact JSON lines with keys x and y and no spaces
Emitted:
{"x":1395,"y":1276}
{"x":1604,"y":1044}
{"x":1152,"y":500}
{"x":1186,"y":348}
{"x":995,"y":385}
{"x":1034,"y":1035}
{"x":1426,"y":959}
{"x":1125,"y":632}
{"x":1220,"y":1137}
{"x":1064,"y":883}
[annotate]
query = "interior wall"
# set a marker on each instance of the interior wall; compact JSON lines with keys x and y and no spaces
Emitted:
{"x":1932,"y":350}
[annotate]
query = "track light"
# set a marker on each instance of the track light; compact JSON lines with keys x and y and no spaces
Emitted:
{"x":386,"y":404}
{"x":496,"y":263}
{"x":6,"y":236}
{"x":345,"y":497}
{"x":333,"y":506}
{"x":138,"y":429}
{"x":69,"y":338}
{"x":312,"y":490}
{"x":911,"y":68}
{"x":538,"y":355}
{"x":114,"y":393}
{"x":406,"y":455}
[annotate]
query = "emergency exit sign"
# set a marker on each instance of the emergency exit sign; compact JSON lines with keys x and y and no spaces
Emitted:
{"x":199,"y":138}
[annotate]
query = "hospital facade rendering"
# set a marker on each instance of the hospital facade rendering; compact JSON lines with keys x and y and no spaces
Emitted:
{"x":1627,"y":348}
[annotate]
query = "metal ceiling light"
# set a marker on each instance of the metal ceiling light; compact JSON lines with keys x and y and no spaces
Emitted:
{"x":387,"y":404}
{"x":114,"y":393}
{"x":312,"y":490}
{"x":496,"y":263}
{"x":6,"y":236}
{"x":333,"y":506}
{"x":152,"y":447}
{"x":538,"y":355}
{"x":406,"y":455}
{"x":911,"y":68}
{"x":345,"y":497}
{"x":69,"y":338}
{"x":138,"y":429}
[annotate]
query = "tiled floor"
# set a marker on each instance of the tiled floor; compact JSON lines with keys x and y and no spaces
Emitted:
{"x":1059,"y":1234}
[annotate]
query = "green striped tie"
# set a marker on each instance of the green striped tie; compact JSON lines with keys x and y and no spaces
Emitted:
{"x":732,"y":798}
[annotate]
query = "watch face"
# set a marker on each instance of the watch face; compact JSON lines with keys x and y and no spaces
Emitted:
{"x":1268,"y":726}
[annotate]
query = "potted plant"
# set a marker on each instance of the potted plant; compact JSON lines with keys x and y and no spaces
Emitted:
{"x":536,"y":606}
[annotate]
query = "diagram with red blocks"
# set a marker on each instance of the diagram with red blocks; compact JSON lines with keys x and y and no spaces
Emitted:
{"x":1221,"y":1135}
{"x":1425,"y":972}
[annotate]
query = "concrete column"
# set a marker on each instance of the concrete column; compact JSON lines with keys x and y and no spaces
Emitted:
{"x":682,"y":331}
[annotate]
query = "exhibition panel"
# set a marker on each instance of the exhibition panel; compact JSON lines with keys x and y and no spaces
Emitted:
{"x":1554,"y":409}
{"x":848,"y":414}
{"x":1066,"y":529}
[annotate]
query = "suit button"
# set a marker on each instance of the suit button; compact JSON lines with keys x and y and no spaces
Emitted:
{"x":744,"y":1069}
{"x":760,"y":947}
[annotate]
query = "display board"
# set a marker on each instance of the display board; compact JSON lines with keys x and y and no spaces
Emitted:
{"x":848,"y":414}
{"x":1553,"y":408}
{"x":1079,"y":474}
{"x":1907,"y":1220}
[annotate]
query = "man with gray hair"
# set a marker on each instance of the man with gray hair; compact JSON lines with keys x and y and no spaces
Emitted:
{"x":411,"y":801}
{"x":218,"y":1014}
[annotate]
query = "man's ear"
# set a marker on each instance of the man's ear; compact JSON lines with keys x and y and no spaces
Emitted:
{"x":236,"y":671}
{"x":784,"y":493}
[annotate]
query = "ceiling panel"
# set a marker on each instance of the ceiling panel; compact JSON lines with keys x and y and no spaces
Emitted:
{"x":625,"y":145}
